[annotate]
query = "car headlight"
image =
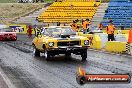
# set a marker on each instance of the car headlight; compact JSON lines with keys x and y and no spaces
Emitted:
{"x":86,"y":42}
{"x":51,"y":44}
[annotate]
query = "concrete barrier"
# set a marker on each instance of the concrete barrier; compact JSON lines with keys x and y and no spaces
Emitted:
{"x":100,"y":41}
{"x":116,"y":46}
{"x":121,"y":31}
{"x":103,"y":38}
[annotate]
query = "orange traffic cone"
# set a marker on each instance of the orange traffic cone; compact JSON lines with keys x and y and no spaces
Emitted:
{"x":130,"y":40}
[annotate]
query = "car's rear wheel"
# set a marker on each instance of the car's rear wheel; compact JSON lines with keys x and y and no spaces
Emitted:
{"x":84,"y":55}
{"x":36,"y":52}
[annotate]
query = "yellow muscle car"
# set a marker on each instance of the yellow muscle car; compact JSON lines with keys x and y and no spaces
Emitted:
{"x":60,"y":40}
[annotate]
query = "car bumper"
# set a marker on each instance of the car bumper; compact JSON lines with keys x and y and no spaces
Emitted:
{"x":69,"y":49}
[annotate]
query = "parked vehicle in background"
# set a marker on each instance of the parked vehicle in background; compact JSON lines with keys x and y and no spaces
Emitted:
{"x":7,"y":33}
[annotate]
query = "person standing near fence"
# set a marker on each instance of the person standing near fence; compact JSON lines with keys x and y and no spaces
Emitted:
{"x":110,"y":31}
{"x":100,"y":26}
{"x":85,"y":26}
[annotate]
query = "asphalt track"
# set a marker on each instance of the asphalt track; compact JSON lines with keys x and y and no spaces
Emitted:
{"x":26,"y":71}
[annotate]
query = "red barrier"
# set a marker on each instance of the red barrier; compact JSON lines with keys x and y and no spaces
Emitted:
{"x":130,"y":36}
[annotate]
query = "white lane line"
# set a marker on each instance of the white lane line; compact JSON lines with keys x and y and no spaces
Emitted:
{"x":6,"y":79}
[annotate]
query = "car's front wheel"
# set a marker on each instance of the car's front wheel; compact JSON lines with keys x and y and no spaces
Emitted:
{"x":84,"y":55}
{"x":67,"y":56}
{"x":36,"y":52}
{"x":46,"y":55}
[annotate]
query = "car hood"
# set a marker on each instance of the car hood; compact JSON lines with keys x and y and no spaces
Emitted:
{"x":70,"y":38}
{"x":59,"y":39}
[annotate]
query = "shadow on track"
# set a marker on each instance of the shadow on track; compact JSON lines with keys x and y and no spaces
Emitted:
{"x":62,"y":59}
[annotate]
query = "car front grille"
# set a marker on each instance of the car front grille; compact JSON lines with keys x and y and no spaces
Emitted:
{"x":69,"y":43}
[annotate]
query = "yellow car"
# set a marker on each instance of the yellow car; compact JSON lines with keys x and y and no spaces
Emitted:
{"x":60,"y":40}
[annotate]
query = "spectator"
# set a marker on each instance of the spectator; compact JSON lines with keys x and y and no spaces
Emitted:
{"x":77,"y":20}
{"x":82,"y":21}
{"x":85,"y":26}
{"x":64,"y":24}
{"x":48,"y":25}
{"x":58,"y":23}
{"x":100,"y":26}
{"x":29,"y":31}
{"x":110,"y":31}
{"x":74,"y":26}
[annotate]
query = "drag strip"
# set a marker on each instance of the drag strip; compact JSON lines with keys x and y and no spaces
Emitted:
{"x":39,"y":73}
{"x":36,"y":72}
{"x":100,"y":64}
{"x":22,"y":46}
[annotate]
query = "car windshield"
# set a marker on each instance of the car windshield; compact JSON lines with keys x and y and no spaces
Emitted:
{"x":5,"y":30}
{"x":57,"y":31}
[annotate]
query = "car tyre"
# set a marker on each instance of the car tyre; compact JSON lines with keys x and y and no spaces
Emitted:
{"x":36,"y":52}
{"x":84,"y":55}
{"x":67,"y":56}
{"x":46,"y":55}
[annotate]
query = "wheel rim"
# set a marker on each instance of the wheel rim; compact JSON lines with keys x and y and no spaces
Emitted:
{"x":34,"y":51}
{"x":45,"y":54}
